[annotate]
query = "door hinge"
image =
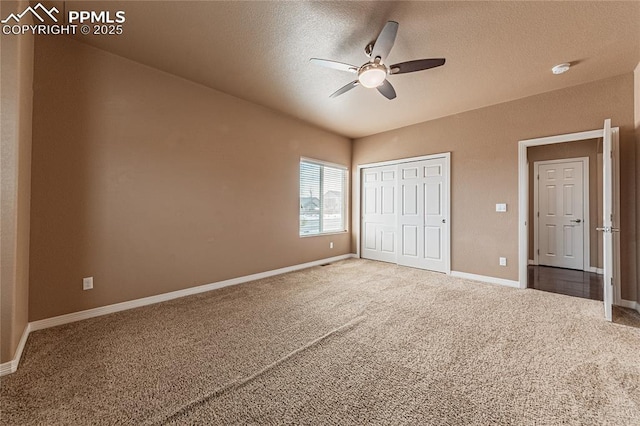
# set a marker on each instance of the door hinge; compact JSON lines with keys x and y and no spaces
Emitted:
{"x":538,"y":177}
{"x":538,"y":214}
{"x":538,"y":251}
{"x":612,"y":280}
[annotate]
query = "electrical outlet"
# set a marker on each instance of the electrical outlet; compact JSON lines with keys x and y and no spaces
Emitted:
{"x":503,"y":261}
{"x":87,"y":283}
{"x":501,"y":207}
{"x":331,"y":245}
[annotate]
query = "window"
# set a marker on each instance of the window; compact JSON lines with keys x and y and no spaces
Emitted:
{"x":322,"y":198}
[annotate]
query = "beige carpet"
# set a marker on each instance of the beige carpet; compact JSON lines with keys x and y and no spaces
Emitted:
{"x":356,"y":342}
{"x":626,"y":316}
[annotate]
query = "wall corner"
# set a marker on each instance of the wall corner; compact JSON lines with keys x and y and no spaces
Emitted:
{"x":636,"y":111}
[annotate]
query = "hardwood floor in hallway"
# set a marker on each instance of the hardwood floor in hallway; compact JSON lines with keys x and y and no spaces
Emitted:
{"x":571,"y":282}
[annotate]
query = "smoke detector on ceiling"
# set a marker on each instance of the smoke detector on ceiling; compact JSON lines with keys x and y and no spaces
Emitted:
{"x":561,"y":68}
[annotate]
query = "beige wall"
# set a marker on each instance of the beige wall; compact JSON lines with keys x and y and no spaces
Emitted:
{"x":587,"y":148}
{"x":636,"y":92}
{"x":151,"y":183}
{"x":16,"y":78}
{"x":136,"y":176}
{"x":484,"y":147}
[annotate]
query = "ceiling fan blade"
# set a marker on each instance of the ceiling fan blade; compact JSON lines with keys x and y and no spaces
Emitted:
{"x":417,"y":65}
{"x":335,"y":65}
{"x":384,"y":43}
{"x":344,"y":89}
{"x":387,"y":90}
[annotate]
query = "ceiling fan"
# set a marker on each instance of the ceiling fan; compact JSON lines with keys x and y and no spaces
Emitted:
{"x":373,"y":74}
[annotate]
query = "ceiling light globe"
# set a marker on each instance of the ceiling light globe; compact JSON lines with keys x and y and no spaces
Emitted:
{"x":372,"y":75}
{"x":561,"y":68}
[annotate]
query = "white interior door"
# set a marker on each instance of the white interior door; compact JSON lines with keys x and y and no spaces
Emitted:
{"x":423,"y":214}
{"x":379,"y":204}
{"x":561,"y":214}
{"x":608,"y":216}
{"x":410,"y":218}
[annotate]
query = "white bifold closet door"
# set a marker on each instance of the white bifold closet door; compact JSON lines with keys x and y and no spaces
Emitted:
{"x":405,"y":214}
{"x":379,"y":205}
{"x":423,"y":216}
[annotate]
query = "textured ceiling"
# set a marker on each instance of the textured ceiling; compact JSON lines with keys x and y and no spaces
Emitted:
{"x":259,"y":51}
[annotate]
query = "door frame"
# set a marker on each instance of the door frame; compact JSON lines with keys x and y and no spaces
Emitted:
{"x":586,"y":209}
{"x":357,"y":210}
{"x":523,"y":196}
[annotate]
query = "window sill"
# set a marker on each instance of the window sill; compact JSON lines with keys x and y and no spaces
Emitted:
{"x":324,"y":234}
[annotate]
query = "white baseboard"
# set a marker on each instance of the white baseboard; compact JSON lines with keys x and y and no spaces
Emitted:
{"x":593,"y":269}
{"x":596,"y":270}
{"x":486,"y":279}
{"x":630,"y":304}
{"x":7,"y":368}
{"x":11,"y":366}
{"x":131,"y":304}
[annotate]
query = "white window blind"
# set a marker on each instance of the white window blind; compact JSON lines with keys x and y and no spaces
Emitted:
{"x":322,"y":198}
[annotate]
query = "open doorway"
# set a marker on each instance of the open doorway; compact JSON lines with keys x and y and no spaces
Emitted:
{"x":610,"y":208}
{"x":565,"y":208}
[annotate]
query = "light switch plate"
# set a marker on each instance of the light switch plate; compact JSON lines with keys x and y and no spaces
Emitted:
{"x":503,"y":261}
{"x":501,"y":207}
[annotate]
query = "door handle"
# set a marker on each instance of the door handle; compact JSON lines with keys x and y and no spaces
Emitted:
{"x":576,"y":221}
{"x":608,"y":229}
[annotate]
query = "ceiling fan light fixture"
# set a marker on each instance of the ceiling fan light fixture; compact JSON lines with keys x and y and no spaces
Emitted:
{"x":372,"y":75}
